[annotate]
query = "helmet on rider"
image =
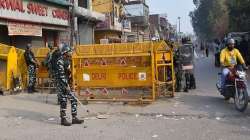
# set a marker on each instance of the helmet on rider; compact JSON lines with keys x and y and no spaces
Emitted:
{"x":230,"y":44}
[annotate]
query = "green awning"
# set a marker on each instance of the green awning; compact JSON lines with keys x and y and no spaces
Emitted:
{"x":61,"y":2}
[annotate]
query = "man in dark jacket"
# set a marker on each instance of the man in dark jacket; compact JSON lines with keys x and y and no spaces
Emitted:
{"x":32,"y":65}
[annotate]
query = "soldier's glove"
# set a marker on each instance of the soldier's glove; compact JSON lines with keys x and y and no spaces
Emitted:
{"x":245,"y":67}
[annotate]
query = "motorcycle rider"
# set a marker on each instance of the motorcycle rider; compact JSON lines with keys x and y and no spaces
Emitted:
{"x":229,"y":58}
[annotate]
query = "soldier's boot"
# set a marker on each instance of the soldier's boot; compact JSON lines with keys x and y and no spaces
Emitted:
{"x":185,"y":89}
{"x":30,"y":91}
{"x":64,"y":122}
{"x":75,"y":120}
{"x":33,"y":89}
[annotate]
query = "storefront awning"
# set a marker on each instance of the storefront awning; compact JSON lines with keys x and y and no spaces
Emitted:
{"x":61,"y":2}
{"x":88,"y":14}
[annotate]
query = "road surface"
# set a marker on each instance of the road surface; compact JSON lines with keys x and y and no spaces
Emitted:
{"x":198,"y":115}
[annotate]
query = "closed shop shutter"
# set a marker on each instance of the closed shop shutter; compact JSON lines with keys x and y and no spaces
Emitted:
{"x":4,"y":38}
{"x":37,"y":42}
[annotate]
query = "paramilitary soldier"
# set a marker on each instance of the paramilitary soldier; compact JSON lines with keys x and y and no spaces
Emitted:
{"x":62,"y":83}
{"x":48,"y":64}
{"x":32,"y":65}
{"x":178,"y":70}
{"x":47,"y":61}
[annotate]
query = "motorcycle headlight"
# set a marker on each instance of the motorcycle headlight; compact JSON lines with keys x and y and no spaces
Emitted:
{"x":241,"y":74}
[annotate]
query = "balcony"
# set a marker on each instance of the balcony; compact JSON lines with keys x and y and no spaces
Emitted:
{"x":137,"y":14}
{"x":110,"y":23}
{"x":88,"y":14}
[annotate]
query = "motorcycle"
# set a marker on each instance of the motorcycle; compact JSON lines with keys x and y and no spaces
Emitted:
{"x":235,"y":87}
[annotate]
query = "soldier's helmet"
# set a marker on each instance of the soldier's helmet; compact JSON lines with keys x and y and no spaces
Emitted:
{"x":65,"y":49}
{"x":28,"y":46}
{"x":50,"y":46}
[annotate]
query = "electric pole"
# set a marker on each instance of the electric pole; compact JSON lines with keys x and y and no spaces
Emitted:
{"x":179,"y":18}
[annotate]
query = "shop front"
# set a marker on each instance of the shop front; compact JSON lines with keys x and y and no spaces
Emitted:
{"x":33,"y":21}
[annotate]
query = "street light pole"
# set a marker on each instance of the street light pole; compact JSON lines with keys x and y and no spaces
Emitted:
{"x":179,"y":18}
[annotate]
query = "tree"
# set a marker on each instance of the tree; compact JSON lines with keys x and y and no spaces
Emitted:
{"x":210,"y":19}
{"x":239,"y":15}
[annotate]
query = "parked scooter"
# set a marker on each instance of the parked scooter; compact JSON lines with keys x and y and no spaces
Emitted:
{"x":235,"y":87}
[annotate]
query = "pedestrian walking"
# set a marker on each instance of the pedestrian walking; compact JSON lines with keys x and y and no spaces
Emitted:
{"x":32,"y":64}
{"x":207,"y":51}
{"x":216,"y":46}
{"x":243,"y":47}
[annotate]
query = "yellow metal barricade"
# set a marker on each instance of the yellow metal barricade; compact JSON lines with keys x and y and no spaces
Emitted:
{"x":22,"y":67}
{"x":8,"y":67}
{"x":123,"y":72}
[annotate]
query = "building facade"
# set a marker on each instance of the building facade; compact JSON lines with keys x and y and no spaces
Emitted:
{"x":160,"y":28}
{"x":46,"y":21}
{"x":137,"y":11}
{"x":36,"y":22}
{"x":85,"y":21}
{"x":115,"y":25}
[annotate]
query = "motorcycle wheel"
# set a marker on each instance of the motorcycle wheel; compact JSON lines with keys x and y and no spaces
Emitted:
{"x":241,"y":102}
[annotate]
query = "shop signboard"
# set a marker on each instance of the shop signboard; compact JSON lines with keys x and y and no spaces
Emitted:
{"x":36,"y":12}
{"x":24,"y":29}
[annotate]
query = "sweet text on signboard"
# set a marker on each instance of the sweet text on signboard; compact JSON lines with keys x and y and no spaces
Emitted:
{"x":33,"y":8}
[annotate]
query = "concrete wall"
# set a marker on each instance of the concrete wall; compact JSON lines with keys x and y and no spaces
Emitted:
{"x":102,"y":6}
{"x":105,"y":35}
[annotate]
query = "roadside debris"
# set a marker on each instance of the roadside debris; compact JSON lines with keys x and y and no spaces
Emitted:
{"x":102,"y":116}
{"x":51,"y":119}
{"x":218,"y":118}
{"x":158,"y":116}
{"x":166,"y":118}
{"x":154,"y":136}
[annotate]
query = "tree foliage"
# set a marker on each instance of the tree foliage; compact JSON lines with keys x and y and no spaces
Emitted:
{"x":210,"y":19}
{"x":239,"y":13}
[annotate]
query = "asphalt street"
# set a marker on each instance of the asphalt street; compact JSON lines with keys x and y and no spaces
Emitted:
{"x":201,"y":114}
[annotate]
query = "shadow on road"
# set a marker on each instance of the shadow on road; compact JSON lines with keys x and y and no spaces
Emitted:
{"x":39,"y":98}
{"x":217,"y":108}
{"x":29,"y":115}
{"x":212,"y":105}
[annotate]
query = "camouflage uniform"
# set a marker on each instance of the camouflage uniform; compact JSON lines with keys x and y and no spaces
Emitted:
{"x":178,"y":70}
{"x":59,"y":66}
{"x":47,"y":63}
{"x":31,"y":63}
